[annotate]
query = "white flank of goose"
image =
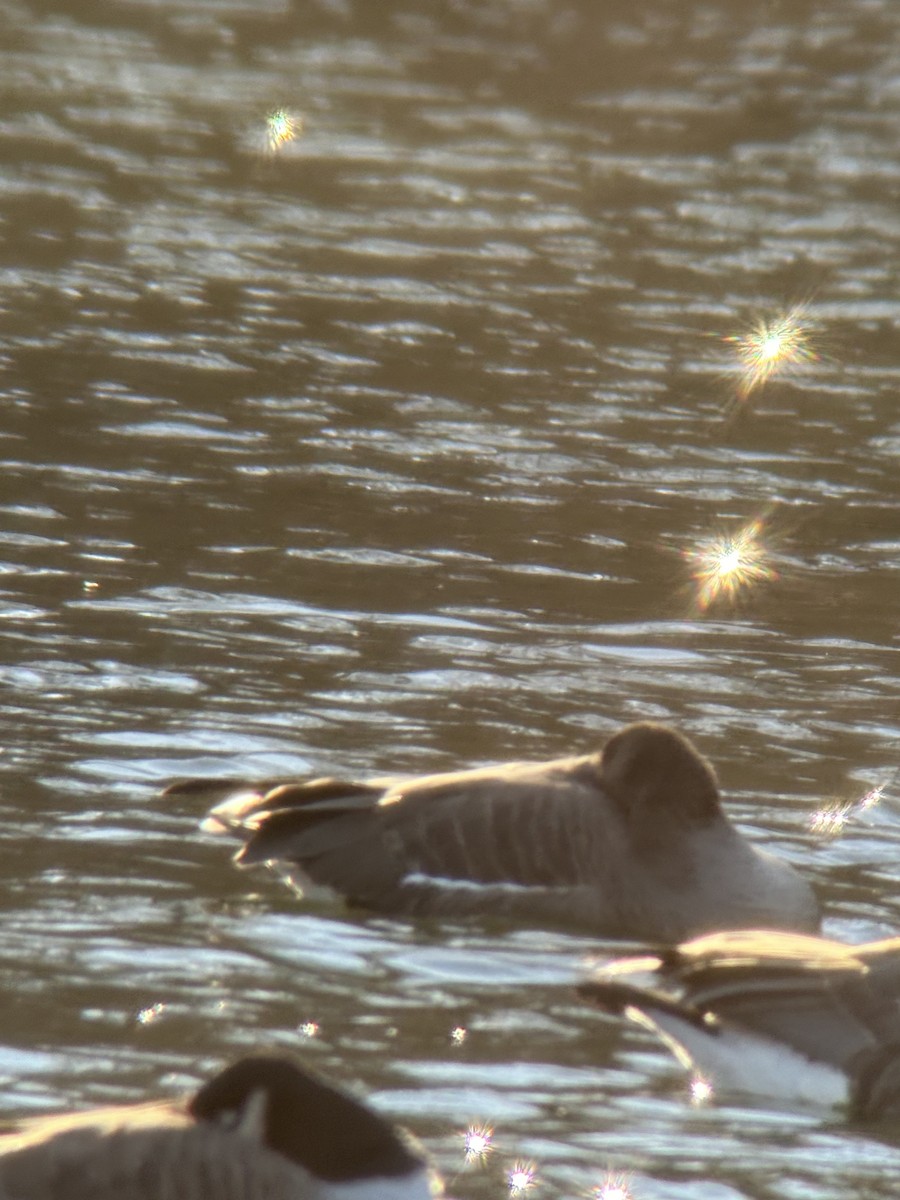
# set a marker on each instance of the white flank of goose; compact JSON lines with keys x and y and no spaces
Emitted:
{"x":799,"y":1020}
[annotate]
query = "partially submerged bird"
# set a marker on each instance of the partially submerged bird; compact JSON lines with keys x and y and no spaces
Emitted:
{"x":628,"y":842}
{"x":263,"y":1129}
{"x":800,"y":1020}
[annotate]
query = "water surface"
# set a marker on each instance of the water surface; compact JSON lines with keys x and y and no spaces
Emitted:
{"x":381,"y":453}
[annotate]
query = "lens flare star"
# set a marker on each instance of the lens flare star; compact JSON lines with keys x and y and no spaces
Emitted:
{"x":873,"y":796}
{"x":478,"y":1143}
{"x":282,"y":127}
{"x":152,"y":1013}
{"x":613,"y":1187}
{"x":521,"y":1178}
{"x":724,"y":567}
{"x":830,"y":820}
{"x":701,"y":1091}
{"x":772,"y":347}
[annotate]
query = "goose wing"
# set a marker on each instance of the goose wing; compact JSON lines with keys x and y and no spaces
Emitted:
{"x":830,"y":1001}
{"x":525,"y":825}
{"x":519,"y":826}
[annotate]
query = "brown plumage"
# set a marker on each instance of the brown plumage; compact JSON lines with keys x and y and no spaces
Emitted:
{"x":263,"y":1129}
{"x":629,"y":842}
{"x":796,"y":1018}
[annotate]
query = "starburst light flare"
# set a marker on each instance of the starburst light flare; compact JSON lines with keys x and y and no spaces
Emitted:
{"x":726,"y":566}
{"x":150,"y":1014}
{"x":478,"y":1140}
{"x":873,"y":796}
{"x":282,"y":127}
{"x":701,"y":1090}
{"x":829,"y":821}
{"x":772,"y":346}
{"x":613,"y":1187}
{"x":521,"y":1178}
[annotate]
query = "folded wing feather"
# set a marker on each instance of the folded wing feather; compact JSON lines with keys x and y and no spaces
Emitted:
{"x":516,"y":825}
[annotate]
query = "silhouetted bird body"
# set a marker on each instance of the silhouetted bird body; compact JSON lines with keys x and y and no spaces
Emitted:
{"x":629,"y":842}
{"x":264,"y":1129}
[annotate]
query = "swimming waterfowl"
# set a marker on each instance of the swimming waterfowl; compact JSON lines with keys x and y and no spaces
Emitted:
{"x":263,"y":1129}
{"x":802,"y":1020}
{"x":628,"y":842}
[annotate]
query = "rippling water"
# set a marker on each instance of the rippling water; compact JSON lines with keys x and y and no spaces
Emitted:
{"x":382,"y":452}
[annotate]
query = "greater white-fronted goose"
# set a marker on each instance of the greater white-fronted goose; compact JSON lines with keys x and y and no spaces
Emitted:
{"x":628,"y":842}
{"x":801,"y":1020}
{"x":264,"y":1129}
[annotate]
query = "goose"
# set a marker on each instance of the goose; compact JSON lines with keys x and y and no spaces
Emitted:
{"x":630,"y":842}
{"x":263,"y":1129}
{"x":797,"y":1019}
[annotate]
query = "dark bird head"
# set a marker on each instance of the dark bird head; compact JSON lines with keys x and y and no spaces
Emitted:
{"x":654,"y":773}
{"x":299,"y":1115}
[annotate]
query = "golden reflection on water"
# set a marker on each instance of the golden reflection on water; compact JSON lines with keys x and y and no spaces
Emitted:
{"x":831,"y":819}
{"x":772,"y":346}
{"x":727,"y":565}
{"x":872,"y":797}
{"x":282,"y":127}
